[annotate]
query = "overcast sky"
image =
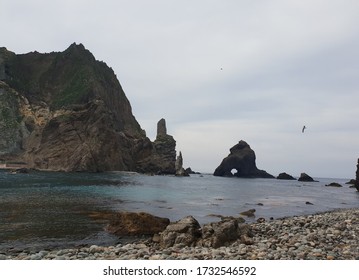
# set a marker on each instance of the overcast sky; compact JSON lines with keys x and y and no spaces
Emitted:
{"x":220,"y":71}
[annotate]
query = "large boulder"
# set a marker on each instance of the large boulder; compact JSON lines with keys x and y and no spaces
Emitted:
{"x":136,"y":224}
{"x":242,"y":159}
{"x":184,"y":232}
{"x":188,"y":232}
{"x":223,"y":233}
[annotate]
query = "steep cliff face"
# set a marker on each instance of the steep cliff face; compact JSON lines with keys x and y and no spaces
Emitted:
{"x":67,"y":111}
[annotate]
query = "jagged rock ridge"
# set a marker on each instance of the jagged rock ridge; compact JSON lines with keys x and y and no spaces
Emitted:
{"x":67,"y":111}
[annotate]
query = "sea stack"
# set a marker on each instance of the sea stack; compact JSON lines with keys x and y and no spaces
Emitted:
{"x":180,"y":171}
{"x":242,"y":159}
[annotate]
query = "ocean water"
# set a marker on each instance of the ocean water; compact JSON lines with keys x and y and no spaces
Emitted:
{"x":49,"y":209}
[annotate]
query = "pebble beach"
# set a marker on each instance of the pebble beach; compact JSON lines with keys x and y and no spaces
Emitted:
{"x":324,"y":236}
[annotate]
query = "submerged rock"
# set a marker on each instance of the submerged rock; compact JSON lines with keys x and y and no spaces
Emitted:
{"x":242,"y":159}
{"x":333,"y":184}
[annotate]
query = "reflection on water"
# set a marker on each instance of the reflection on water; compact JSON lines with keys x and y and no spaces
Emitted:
{"x":63,"y":209}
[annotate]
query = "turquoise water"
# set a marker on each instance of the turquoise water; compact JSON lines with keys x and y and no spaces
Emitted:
{"x":48,"y":209}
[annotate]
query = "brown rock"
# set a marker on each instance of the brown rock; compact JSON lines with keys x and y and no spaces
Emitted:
{"x":136,"y":224}
{"x":249,"y":213}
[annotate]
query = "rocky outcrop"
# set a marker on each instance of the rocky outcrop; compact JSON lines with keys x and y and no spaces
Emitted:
{"x":285,"y":176}
{"x":12,"y":127}
{"x":180,"y":171}
{"x":334,"y":184}
{"x":136,"y":224}
{"x":305,"y":178}
{"x":161,"y":159}
{"x":357,"y":177}
{"x":184,"y":232}
{"x":66,"y":111}
{"x":242,"y":159}
{"x":188,"y":232}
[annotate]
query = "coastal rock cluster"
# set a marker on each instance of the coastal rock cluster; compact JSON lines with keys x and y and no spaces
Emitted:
{"x":66,"y":111}
{"x":325,"y":236}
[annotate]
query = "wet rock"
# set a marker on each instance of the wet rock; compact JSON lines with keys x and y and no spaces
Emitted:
{"x":249,"y":213}
{"x":351,"y":182}
{"x":129,"y":224}
{"x":333,"y":184}
{"x":285,"y":176}
{"x":305,"y":178}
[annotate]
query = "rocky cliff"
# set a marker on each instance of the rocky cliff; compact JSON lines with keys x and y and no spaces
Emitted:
{"x":67,"y":111}
{"x":242,"y":160}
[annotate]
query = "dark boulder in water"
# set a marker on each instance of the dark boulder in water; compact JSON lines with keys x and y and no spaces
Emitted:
{"x":242,"y":159}
{"x":333,"y":184}
{"x":305,"y":178}
{"x":285,"y":176}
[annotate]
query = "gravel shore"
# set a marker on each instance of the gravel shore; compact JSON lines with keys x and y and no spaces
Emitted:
{"x":325,"y":236}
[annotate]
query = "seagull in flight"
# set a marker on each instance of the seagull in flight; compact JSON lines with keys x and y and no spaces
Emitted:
{"x":304,"y":127}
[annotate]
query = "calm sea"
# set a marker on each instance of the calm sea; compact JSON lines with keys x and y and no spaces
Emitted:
{"x":49,"y":209}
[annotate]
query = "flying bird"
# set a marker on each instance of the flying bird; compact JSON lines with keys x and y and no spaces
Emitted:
{"x":304,"y":127}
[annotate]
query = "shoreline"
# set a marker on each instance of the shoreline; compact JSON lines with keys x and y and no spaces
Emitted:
{"x":331,"y":235}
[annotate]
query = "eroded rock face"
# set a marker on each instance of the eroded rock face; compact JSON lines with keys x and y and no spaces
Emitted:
{"x":66,"y":111}
{"x":242,"y":159}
